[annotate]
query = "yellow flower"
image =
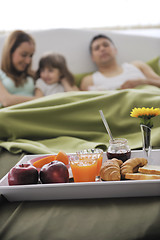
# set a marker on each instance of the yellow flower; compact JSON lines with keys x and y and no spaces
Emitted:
{"x":145,"y":114}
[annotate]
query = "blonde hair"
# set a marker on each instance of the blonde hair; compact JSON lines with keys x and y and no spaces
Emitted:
{"x":56,"y":61}
{"x":14,"y":40}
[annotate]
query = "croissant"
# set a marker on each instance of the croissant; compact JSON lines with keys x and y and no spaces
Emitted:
{"x":132,"y":165}
{"x":110,"y":170}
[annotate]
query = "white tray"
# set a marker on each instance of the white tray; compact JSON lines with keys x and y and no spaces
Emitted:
{"x":113,"y":189}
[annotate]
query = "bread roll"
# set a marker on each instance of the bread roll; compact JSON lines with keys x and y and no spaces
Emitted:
{"x":132,"y":165}
{"x":141,"y":176}
{"x":110,"y":170}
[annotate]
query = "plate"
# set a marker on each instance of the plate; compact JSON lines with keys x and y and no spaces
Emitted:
{"x":101,"y":189}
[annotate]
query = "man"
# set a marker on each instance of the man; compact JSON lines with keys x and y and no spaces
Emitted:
{"x":110,"y":74}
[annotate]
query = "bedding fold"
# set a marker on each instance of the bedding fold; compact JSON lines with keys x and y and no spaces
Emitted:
{"x":71,"y":121}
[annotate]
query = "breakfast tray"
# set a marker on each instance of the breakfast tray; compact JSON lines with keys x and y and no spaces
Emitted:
{"x":101,"y":189}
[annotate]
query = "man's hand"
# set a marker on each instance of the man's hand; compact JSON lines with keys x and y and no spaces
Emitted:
{"x":133,"y":83}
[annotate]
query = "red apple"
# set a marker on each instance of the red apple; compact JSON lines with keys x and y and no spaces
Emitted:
{"x":54,"y":172}
{"x":23,"y":174}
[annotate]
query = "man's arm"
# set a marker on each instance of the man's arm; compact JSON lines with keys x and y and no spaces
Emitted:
{"x":151,"y":77}
{"x":147,"y":70}
{"x":86,"y":83}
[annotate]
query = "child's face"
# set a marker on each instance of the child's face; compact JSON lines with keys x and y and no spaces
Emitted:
{"x":50,"y":75}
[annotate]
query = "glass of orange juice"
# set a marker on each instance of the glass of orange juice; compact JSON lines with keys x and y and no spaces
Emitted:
{"x":83,"y":169}
{"x":95,"y":153}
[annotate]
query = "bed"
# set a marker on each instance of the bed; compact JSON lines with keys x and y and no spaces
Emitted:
{"x":71,"y":122}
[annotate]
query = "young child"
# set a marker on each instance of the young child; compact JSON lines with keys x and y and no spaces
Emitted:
{"x":53,"y":76}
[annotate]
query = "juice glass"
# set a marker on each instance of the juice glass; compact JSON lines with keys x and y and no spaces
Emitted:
{"x":84,"y":169}
{"x":95,"y":153}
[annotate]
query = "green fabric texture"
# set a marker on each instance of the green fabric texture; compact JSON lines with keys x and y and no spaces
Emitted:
{"x":101,"y":219}
{"x":71,"y":121}
{"x":154,"y":64}
{"x":78,"y":77}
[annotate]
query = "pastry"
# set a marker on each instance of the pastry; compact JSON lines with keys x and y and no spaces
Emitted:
{"x":141,"y":176}
{"x":132,"y":165}
{"x":110,"y":170}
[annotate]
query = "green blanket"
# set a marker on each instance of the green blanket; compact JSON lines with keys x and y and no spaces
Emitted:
{"x":71,"y":121}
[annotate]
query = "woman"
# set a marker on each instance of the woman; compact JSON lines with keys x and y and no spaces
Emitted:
{"x":16,"y":76}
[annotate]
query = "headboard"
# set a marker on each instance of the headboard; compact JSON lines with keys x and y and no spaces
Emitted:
{"x":74,"y":45}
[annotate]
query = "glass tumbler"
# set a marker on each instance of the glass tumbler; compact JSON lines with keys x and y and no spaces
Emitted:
{"x":94,"y":153}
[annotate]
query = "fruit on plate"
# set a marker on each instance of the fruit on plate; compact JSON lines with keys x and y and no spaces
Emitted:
{"x":54,"y":172}
{"x":23,"y":174}
{"x":41,"y":162}
{"x":62,"y":157}
{"x":36,"y":159}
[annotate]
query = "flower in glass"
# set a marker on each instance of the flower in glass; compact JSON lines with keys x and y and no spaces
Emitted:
{"x":145,"y":115}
